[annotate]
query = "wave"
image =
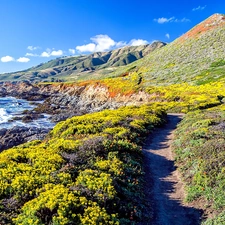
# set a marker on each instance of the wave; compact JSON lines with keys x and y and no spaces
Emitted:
{"x":4,"y":115}
{"x":11,"y":107}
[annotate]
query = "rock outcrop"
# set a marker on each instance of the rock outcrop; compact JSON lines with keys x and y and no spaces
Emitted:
{"x":17,"y":135}
{"x":62,"y":102}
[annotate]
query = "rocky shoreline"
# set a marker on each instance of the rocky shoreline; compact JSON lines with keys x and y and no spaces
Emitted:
{"x":61,"y":101}
{"x":18,"y":135}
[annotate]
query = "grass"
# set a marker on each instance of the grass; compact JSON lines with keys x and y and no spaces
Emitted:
{"x":199,"y":147}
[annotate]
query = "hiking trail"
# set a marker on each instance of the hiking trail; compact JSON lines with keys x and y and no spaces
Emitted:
{"x":164,"y":189}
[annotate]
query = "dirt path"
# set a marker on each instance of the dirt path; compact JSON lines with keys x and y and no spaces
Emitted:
{"x":164,"y":190}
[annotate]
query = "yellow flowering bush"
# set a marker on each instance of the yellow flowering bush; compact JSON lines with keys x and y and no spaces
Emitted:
{"x":86,"y":171}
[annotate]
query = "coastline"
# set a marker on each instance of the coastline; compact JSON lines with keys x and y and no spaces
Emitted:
{"x":61,"y":101}
{"x":19,"y":123}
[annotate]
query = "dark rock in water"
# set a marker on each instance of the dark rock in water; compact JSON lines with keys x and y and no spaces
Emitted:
{"x":31,"y":116}
{"x":18,"y":135}
{"x":27,"y":119}
{"x":15,"y":118}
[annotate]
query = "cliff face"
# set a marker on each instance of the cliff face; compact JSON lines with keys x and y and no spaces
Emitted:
{"x":72,"y":100}
{"x":63,"y":101}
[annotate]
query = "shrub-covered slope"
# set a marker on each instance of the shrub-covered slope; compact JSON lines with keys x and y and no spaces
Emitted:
{"x":200,"y":156}
{"x":88,"y":171}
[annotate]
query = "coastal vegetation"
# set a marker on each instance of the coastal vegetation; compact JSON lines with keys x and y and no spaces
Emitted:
{"x":88,"y":170}
{"x":199,"y":148}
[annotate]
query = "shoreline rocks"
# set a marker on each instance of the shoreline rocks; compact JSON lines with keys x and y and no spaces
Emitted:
{"x":18,"y":135}
{"x":61,"y":101}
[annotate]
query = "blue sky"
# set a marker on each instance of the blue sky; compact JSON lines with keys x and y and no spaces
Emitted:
{"x":36,"y":31}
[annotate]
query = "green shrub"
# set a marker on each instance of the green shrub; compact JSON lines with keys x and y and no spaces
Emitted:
{"x":218,"y":63}
{"x":199,"y":147}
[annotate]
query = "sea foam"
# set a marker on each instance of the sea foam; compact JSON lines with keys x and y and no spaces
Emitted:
{"x":4,"y":115}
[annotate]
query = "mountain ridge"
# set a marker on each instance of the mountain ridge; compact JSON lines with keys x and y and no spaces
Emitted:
{"x":68,"y":67}
{"x":211,"y":22}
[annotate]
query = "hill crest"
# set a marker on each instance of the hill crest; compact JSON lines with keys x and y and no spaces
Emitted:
{"x":212,"y":22}
{"x":196,"y":57}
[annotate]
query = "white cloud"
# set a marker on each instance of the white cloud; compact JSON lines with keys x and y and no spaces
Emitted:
{"x":137,"y":42}
{"x":199,"y":8}
{"x":121,"y":44}
{"x":86,"y":48}
{"x":23,"y":60}
{"x":168,"y":36}
{"x":7,"y":59}
{"x":171,"y":19}
{"x":57,"y":53}
{"x":103,"y":42}
{"x":45,"y":54}
{"x":31,"y":54}
{"x":100,"y":43}
{"x":72,"y":51}
{"x":164,"y":20}
{"x":49,"y":53}
{"x":32,"y":48}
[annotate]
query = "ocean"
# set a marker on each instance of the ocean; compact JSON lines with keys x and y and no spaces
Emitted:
{"x":11,"y":107}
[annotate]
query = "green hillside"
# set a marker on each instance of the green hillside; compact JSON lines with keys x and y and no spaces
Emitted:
{"x":73,"y":68}
{"x":196,"y":57}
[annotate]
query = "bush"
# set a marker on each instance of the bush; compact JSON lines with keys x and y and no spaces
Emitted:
{"x":200,"y":155}
{"x":87,"y":171}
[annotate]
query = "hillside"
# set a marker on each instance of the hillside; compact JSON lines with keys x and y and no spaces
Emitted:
{"x":72,"y":68}
{"x":195,"y":57}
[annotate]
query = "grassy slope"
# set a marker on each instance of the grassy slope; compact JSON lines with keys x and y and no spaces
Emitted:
{"x":200,"y":156}
{"x":187,"y":59}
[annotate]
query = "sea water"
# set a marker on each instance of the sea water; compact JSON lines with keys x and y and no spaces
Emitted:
{"x":11,"y":107}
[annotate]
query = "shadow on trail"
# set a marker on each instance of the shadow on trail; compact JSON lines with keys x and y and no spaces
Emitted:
{"x":164,"y":191}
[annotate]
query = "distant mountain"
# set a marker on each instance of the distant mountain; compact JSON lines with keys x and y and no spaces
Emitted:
{"x":70,"y":68}
{"x":196,"y":57}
